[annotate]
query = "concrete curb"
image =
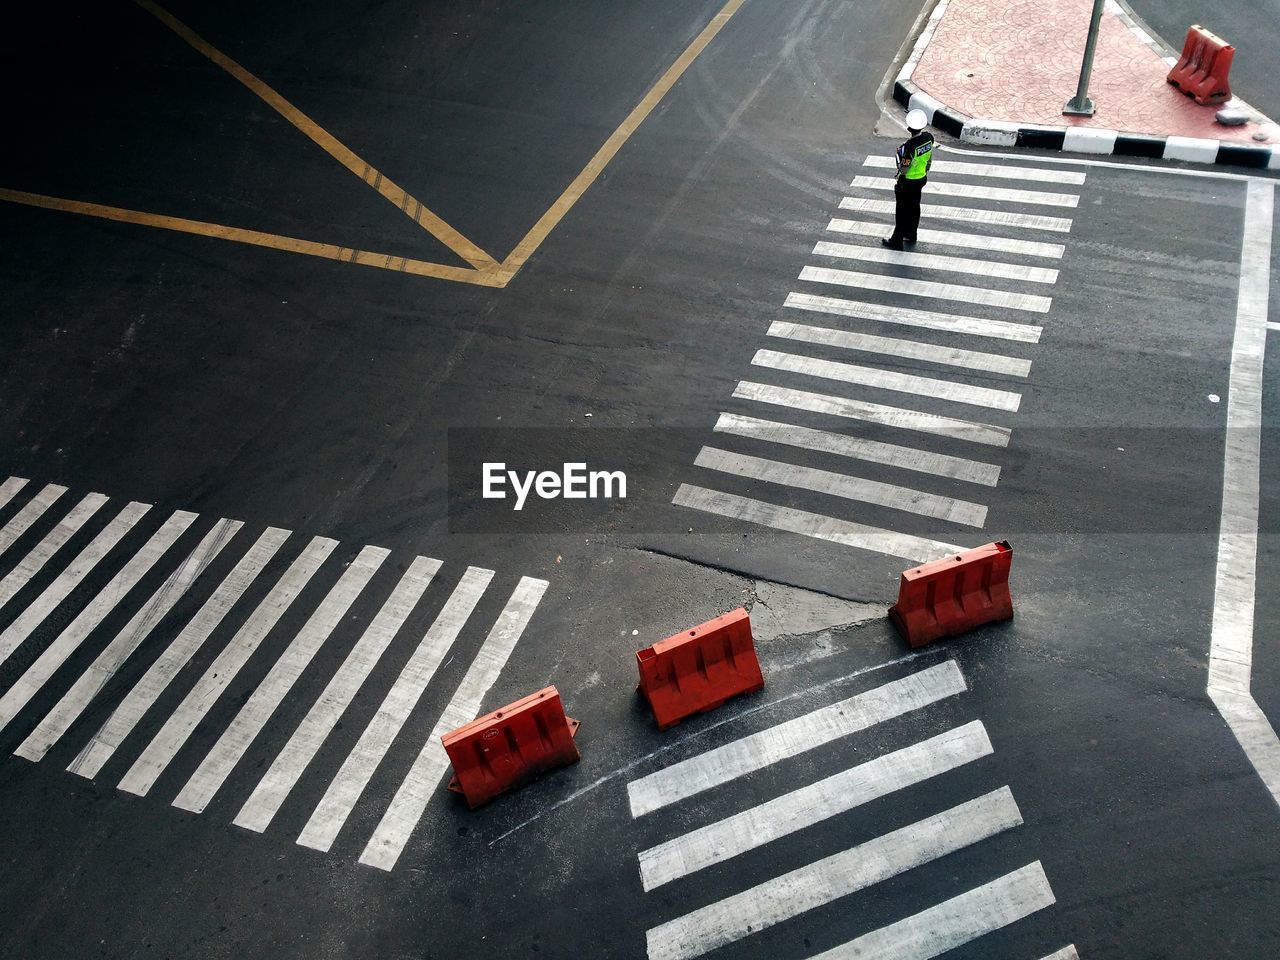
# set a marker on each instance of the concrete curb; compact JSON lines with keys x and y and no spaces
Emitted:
{"x":1000,"y":133}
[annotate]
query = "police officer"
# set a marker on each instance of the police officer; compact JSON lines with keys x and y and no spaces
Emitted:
{"x":914,"y":158}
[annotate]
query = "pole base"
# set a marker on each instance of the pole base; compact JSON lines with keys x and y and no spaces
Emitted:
{"x":1079,"y":107}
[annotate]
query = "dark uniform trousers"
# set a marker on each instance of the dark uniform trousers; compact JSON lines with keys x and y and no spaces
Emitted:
{"x":907,"y":213}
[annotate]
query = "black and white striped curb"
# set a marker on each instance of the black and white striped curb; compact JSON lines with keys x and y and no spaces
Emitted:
{"x":1003,"y":133}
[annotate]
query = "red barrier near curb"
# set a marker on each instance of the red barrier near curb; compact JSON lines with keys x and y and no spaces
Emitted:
{"x":506,"y":749}
{"x":699,"y":669}
{"x":1202,"y":70}
{"x":955,"y":594}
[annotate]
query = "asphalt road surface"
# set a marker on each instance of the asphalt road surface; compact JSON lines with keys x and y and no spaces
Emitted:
{"x":276,"y":280}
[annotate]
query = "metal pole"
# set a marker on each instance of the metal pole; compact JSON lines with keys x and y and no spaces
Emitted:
{"x":1080,"y":105}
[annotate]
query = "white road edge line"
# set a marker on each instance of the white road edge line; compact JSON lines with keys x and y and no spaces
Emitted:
{"x":1235,"y":582}
{"x":955,"y":922}
{"x":687,"y":778}
{"x":831,"y":878}
{"x":834,"y":795}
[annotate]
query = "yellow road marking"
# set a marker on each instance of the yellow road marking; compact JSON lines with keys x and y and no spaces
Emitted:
{"x":547,"y":222}
{"x":411,"y":207}
{"x":328,"y":251}
{"x":487,"y":271}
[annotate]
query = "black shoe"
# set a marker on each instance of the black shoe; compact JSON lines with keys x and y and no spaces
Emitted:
{"x":891,"y":244}
{"x":909,"y":241}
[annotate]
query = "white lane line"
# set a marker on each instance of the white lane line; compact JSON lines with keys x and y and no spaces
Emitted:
{"x":879,"y":413}
{"x":971,"y":191}
{"x":925,"y":319}
{"x":76,"y":632}
{"x":31,"y":511}
{"x":910,"y":349}
{"x":275,"y":686}
{"x":10,"y":489}
{"x":685,"y":779}
{"x":200,"y":699}
{"x":844,"y":532}
{"x":289,"y":764}
{"x":90,"y":683}
{"x":1031,"y":303}
{"x":998,"y":170}
{"x":842,"y":485}
{"x":947,"y":238}
{"x":829,"y":879}
{"x":1235,"y":581}
{"x":1066,"y":953}
{"x":932,"y":261}
{"x":812,"y":804}
{"x":889,"y":380}
{"x":53,"y":541}
{"x":40,"y":608}
{"x":874,"y":451}
{"x":955,"y":922}
{"x":422,"y":783}
{"x":158,"y":676}
{"x":1002,"y":218}
{"x":345,"y":789}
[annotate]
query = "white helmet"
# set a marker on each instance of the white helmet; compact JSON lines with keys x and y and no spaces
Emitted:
{"x":916,"y":120}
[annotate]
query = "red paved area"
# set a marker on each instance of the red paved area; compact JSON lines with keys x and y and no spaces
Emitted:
{"x":1019,"y":60}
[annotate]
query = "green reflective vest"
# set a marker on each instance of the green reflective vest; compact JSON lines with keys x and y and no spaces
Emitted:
{"x":920,"y":158}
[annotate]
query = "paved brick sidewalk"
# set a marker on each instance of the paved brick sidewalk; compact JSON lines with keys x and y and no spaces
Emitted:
{"x":1018,"y":61}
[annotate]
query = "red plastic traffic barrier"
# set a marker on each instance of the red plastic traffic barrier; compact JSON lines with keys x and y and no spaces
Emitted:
{"x":1202,"y":70}
{"x":955,"y":594}
{"x":699,"y":669}
{"x":506,"y":749}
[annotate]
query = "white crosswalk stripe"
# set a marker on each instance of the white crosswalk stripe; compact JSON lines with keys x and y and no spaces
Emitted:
{"x":741,"y":757}
{"x":936,"y":211}
{"x":185,"y":609}
{"x":70,"y":639}
{"x":910,"y":287}
{"x":812,"y":804}
{"x":53,"y":541}
{"x":31,"y":511}
{"x":878,"y":413}
{"x":823,"y":441}
{"x":1066,"y":953}
{"x":1004,"y":171}
{"x":176,"y":656}
{"x":40,"y":608}
{"x":891,"y":288}
{"x":411,"y":799}
{"x":908,"y":349}
{"x":720,"y":777}
{"x":930,"y":261}
{"x":270,"y":793}
{"x":10,"y":489}
{"x":833,"y":529}
{"x":345,"y":788}
{"x":91,"y":682}
{"x":839,"y":875}
{"x":284,"y":673}
{"x":925,"y":319}
{"x":949,"y":238}
{"x":889,"y":380}
{"x":977,"y":192}
{"x":142,"y":776}
{"x":955,"y":922}
{"x":843,"y":485}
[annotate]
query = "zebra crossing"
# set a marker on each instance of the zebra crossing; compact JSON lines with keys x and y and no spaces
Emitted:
{"x":160,"y":647}
{"x":896,"y":372}
{"x":722,"y":777}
